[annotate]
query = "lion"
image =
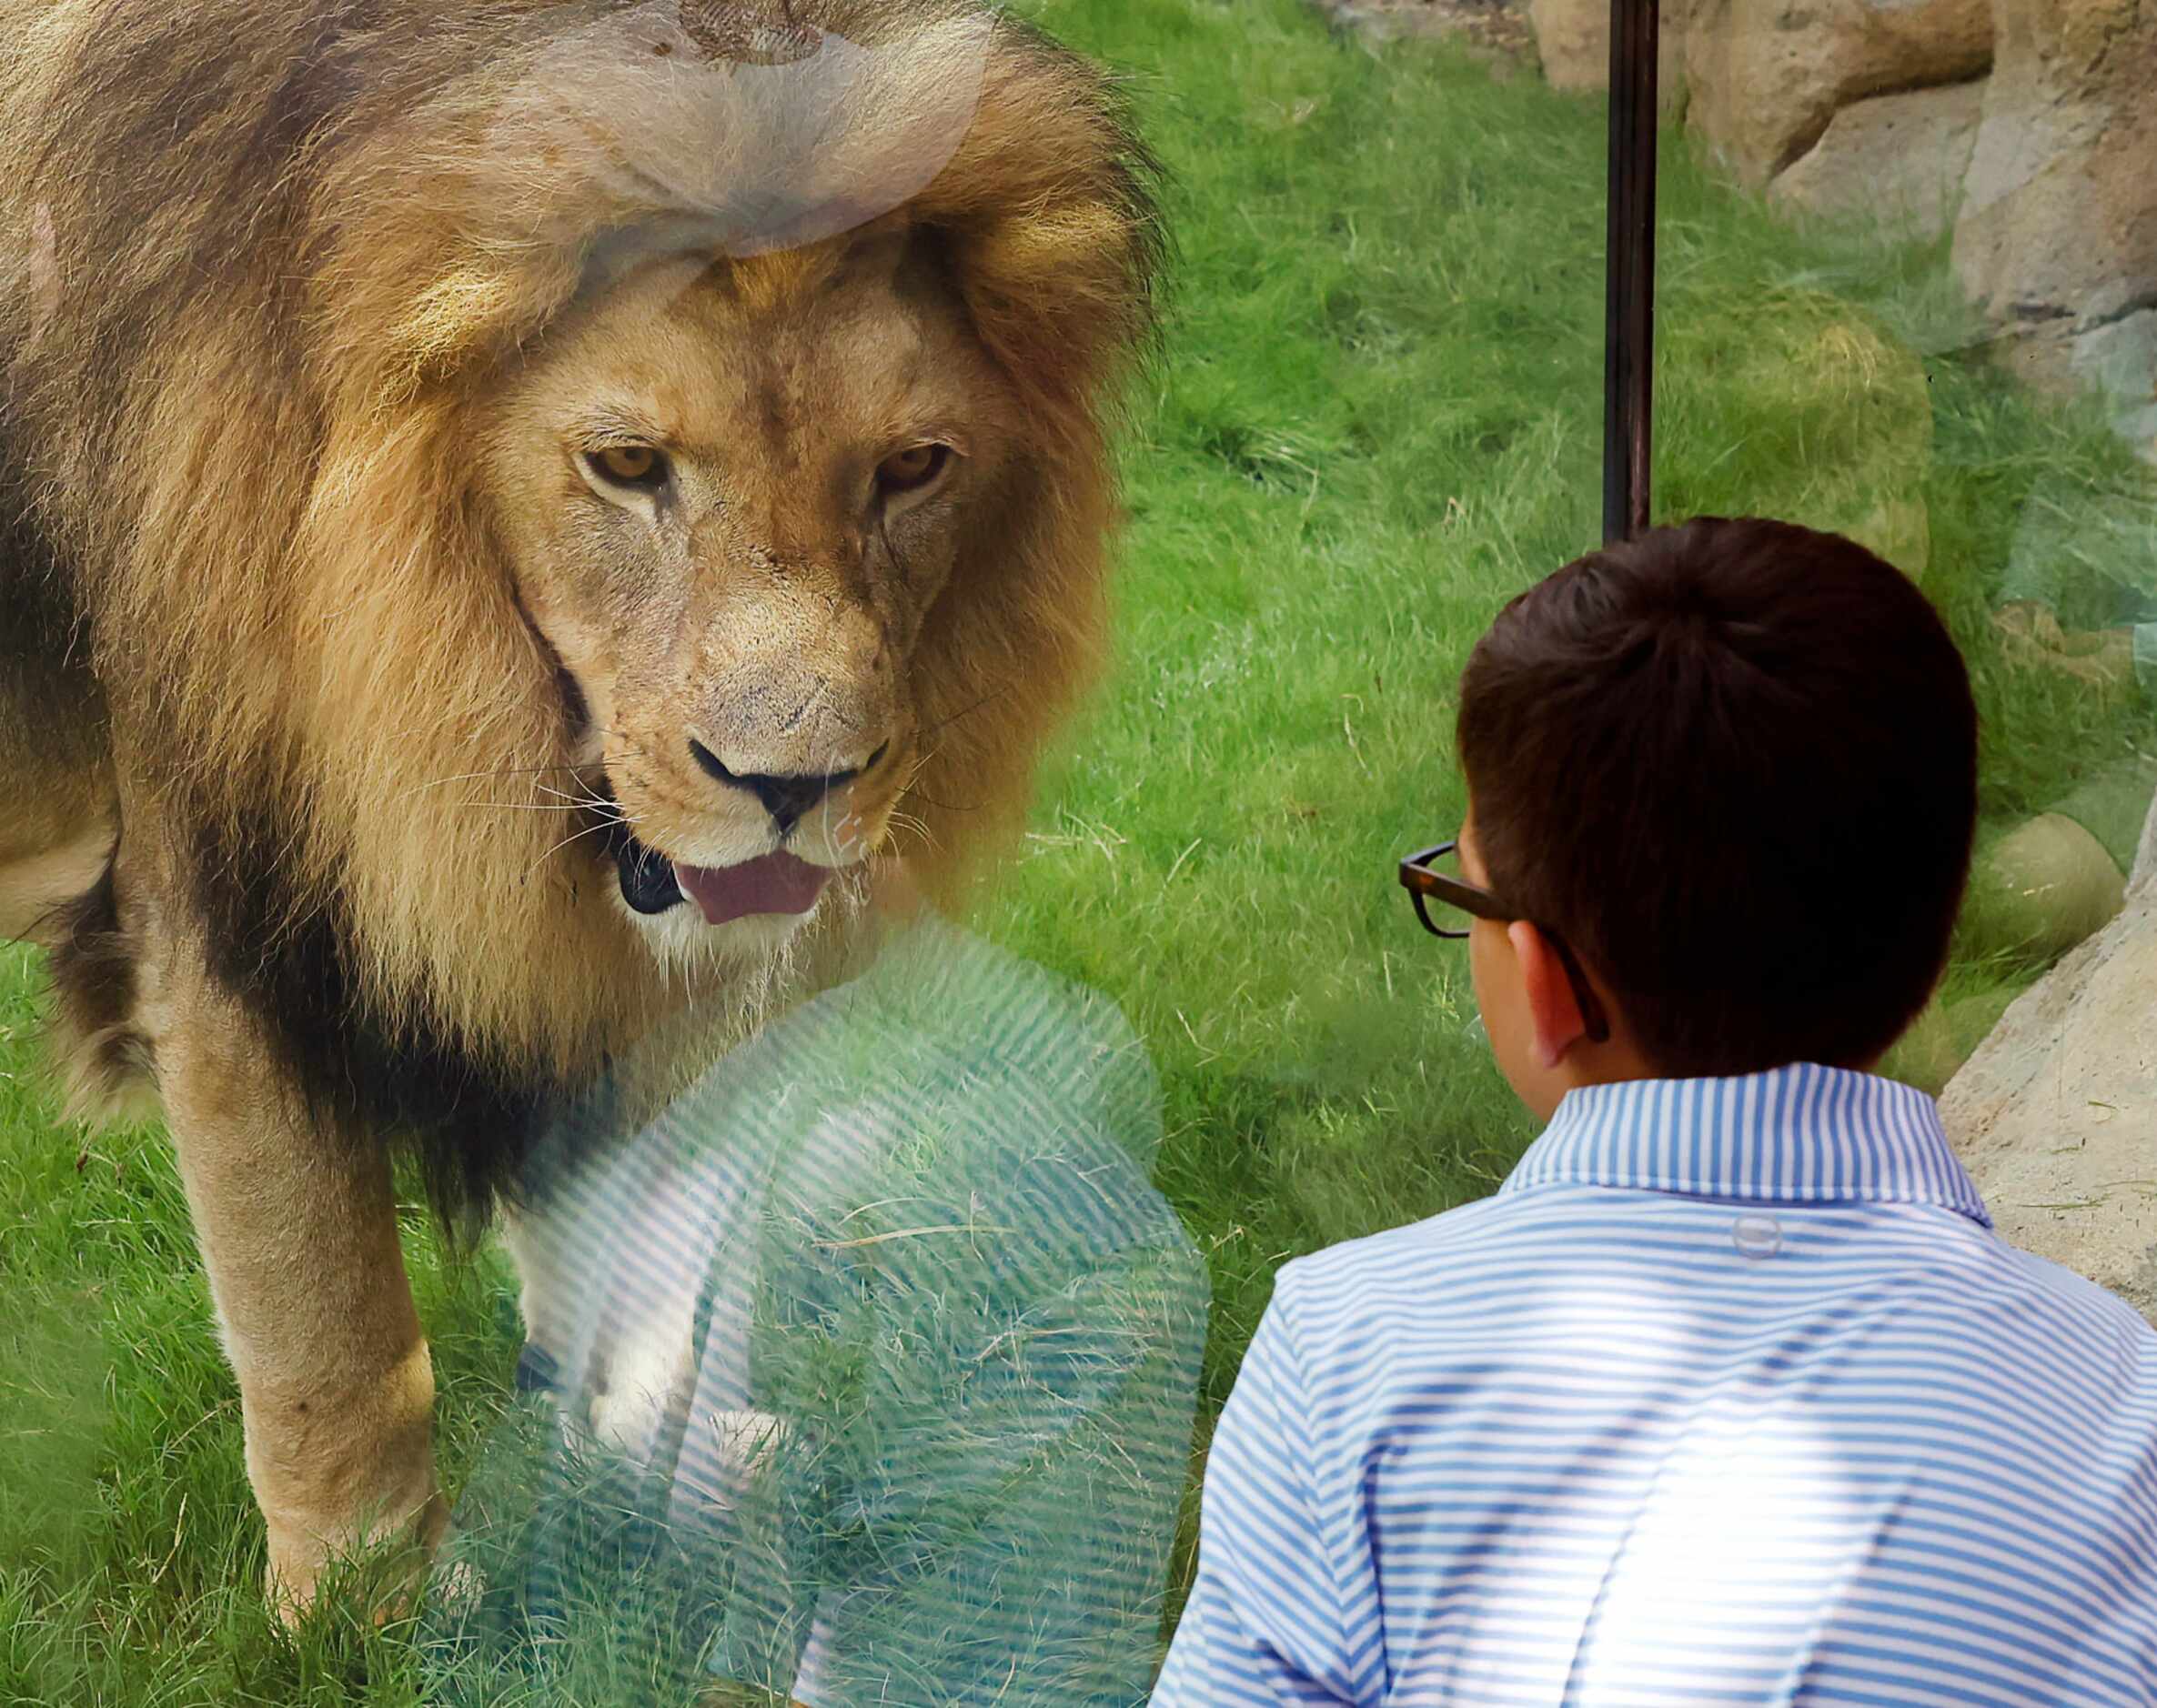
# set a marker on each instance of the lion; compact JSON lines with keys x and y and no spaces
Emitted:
{"x":527,"y":524}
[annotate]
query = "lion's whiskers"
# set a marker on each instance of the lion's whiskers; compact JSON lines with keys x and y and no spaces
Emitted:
{"x":906,"y":821}
{"x":587,"y":800}
{"x":530,"y":806}
{"x":467,"y":776}
{"x":590,"y":798}
{"x":964,"y":711}
{"x":911,"y":788}
{"x":578,"y":836}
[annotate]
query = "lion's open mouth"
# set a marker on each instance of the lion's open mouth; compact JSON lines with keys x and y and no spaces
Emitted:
{"x":776,"y":882}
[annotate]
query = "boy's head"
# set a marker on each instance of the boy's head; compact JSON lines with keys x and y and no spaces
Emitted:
{"x":1733,"y":765}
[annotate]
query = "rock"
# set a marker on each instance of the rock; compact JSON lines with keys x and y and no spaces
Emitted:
{"x":1895,"y":162}
{"x":2057,"y":240}
{"x":1573,"y":40}
{"x":2029,"y":126}
{"x":2113,"y":805}
{"x":1765,"y":77}
{"x":2043,"y":888}
{"x":1945,"y":1036}
{"x":2119,"y":357}
{"x":2056,"y":1113}
{"x":1495,"y":32}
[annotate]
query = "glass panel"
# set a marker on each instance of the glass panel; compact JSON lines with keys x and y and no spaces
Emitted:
{"x":533,"y":534}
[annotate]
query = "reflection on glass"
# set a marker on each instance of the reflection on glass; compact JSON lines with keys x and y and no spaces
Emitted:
{"x":868,"y":1368}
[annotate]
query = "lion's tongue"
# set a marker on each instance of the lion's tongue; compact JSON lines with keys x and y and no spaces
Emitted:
{"x":772,"y":883}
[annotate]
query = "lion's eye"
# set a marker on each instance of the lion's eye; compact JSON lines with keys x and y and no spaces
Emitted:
{"x":629,"y":465}
{"x":913,"y":469}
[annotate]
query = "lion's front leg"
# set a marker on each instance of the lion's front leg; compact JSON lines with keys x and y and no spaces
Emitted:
{"x":299,"y":1231}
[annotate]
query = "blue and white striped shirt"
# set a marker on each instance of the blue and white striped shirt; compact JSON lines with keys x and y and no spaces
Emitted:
{"x":1729,"y":1395}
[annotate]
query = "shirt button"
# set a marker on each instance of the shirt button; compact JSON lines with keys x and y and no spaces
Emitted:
{"x":1756,"y":1236}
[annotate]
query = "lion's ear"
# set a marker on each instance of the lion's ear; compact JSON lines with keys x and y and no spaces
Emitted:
{"x":1048,"y":210}
{"x":1061,"y":295}
{"x":445,"y":321}
{"x":384,"y":341}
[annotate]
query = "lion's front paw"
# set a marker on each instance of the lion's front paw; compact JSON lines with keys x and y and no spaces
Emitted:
{"x":347,"y":1479}
{"x":388,"y":1558}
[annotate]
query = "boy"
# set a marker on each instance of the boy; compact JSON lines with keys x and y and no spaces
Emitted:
{"x":1729,"y":1394}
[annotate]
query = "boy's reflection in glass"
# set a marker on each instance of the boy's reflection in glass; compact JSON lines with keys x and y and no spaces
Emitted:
{"x":870,"y":1369}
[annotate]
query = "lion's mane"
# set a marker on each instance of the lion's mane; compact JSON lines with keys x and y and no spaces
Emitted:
{"x":264,"y":256}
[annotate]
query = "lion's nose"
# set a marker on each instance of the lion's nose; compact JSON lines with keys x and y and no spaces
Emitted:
{"x":785,"y":796}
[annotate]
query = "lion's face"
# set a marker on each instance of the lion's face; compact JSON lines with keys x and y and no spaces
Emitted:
{"x":728,"y":495}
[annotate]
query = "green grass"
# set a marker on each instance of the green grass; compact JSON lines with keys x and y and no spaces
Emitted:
{"x":1378,"y":415}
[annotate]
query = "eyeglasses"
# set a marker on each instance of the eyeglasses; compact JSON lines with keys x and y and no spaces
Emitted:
{"x":1426,"y":885}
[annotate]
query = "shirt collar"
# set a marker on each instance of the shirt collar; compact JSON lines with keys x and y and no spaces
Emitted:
{"x":1800,"y":1134}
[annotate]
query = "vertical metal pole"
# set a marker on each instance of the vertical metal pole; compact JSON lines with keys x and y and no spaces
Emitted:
{"x":1628,"y":319}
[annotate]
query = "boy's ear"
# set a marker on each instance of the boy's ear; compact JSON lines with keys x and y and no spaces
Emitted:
{"x":1553,"y":1010}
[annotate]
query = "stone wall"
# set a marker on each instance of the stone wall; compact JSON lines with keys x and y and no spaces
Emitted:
{"x":2054,"y":1115}
{"x":2027,"y":128}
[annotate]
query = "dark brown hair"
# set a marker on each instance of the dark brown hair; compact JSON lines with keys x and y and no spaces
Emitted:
{"x":1734,"y":764}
